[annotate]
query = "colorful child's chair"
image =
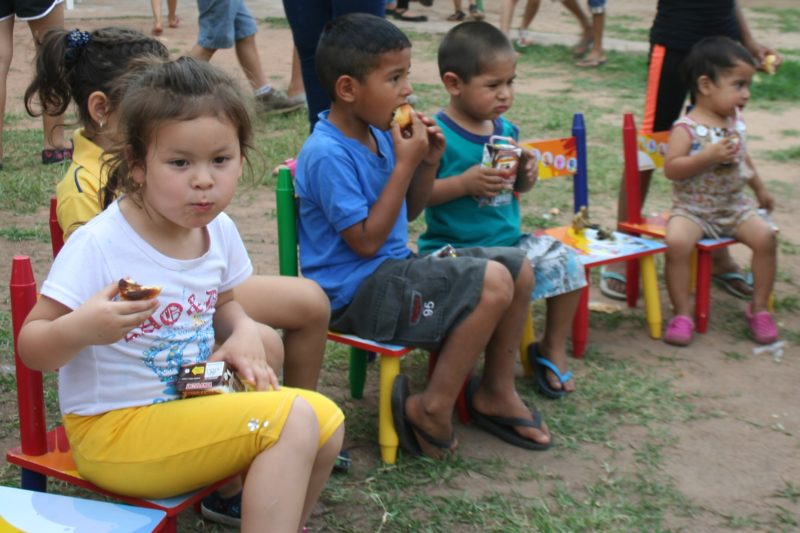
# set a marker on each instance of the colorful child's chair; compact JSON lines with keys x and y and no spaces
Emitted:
{"x":567,"y":157}
{"x":646,"y":152}
{"x":360,"y":348}
{"x":44,"y":453}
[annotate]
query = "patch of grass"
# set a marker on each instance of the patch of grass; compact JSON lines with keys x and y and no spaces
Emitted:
{"x":786,"y":155}
{"x":789,"y":491}
{"x":786,"y":20}
{"x":18,"y":234}
{"x":790,"y":133}
{"x":786,"y":247}
{"x":734,"y":356}
{"x":277,"y":22}
{"x":782,"y":87}
{"x":790,"y":302}
{"x":26,"y":184}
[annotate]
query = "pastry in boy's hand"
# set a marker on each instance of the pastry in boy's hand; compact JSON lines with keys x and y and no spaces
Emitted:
{"x":402,"y":117}
{"x":768,"y":64}
{"x":130,"y":290}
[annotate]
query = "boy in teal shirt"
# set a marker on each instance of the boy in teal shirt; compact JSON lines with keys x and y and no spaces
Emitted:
{"x":477,"y":64}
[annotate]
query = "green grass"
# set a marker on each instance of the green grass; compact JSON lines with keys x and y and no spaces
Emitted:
{"x":785,"y":20}
{"x":786,"y":155}
{"x":782,"y":87}
{"x":14,"y":233}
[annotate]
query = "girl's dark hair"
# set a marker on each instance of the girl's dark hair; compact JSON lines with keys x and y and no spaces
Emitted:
{"x":72,"y":64}
{"x":351,"y":45}
{"x":711,"y":57}
{"x":469,"y":47}
{"x":153,"y":92}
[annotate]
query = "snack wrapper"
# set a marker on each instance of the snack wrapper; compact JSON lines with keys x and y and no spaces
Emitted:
{"x":501,"y":153}
{"x":446,"y":251}
{"x":202,"y":379}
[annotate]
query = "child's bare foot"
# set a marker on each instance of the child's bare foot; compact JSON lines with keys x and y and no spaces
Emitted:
{"x":584,"y":44}
{"x":174,"y":22}
{"x":157,"y":30}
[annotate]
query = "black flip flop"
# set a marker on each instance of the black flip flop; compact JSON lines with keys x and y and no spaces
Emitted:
{"x":409,"y":18}
{"x":407,"y":432}
{"x":503,"y":427}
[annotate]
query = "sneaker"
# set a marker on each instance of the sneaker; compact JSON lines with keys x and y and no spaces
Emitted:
{"x":679,"y":331}
{"x":276,"y":102}
{"x":226,"y":511}
{"x":762,"y":326}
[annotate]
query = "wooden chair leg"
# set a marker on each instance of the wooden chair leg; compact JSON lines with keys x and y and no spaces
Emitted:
{"x":580,"y":324}
{"x":703,"y":295}
{"x":358,"y":372}
{"x":652,"y":303}
{"x":387,"y":436}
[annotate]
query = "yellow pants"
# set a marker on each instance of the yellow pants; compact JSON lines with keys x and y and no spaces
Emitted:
{"x":166,"y":449}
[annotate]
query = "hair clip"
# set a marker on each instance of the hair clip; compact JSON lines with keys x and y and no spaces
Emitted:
{"x":76,"y":40}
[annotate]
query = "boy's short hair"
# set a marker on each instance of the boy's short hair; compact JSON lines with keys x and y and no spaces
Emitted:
{"x":351,"y":45}
{"x":711,"y":57}
{"x":469,"y":47}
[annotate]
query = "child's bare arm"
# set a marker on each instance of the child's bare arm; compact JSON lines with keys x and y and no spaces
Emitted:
{"x":425,"y":176}
{"x":475,"y":181}
{"x":765,"y":199}
{"x":53,"y":334}
{"x":241,"y":343}
{"x":679,"y":165}
{"x":367,"y":236}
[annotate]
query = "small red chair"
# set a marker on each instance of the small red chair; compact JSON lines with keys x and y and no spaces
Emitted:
{"x":646,"y":152}
{"x":42,"y":453}
{"x":567,"y":157}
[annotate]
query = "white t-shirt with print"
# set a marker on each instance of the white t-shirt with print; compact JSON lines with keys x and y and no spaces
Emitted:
{"x":141,"y":368}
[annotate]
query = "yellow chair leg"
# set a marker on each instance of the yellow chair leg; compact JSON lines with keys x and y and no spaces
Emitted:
{"x":652,"y":303}
{"x":693,"y":271}
{"x":528,"y":337}
{"x":387,"y":436}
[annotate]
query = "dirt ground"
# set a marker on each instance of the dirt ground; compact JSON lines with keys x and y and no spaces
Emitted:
{"x":729,"y":464}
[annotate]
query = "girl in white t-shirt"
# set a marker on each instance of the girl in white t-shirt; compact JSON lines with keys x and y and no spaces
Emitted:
{"x":184,"y":133}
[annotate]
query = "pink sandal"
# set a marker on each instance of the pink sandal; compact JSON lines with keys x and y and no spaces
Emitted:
{"x":679,"y":331}
{"x":762,"y":326}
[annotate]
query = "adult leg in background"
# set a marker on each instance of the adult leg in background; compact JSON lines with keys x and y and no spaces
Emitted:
{"x":53,"y":126}
{"x":307,"y":20}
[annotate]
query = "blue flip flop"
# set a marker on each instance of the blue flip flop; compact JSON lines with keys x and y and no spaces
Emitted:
{"x":540,"y":366}
{"x":606,"y":275}
{"x":725,"y":281}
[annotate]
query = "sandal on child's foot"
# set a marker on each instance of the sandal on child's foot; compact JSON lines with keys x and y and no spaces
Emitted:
{"x":524,"y":40}
{"x":679,"y":331}
{"x":475,"y":13}
{"x":458,"y":16}
{"x":51,"y":156}
{"x":762,"y":326}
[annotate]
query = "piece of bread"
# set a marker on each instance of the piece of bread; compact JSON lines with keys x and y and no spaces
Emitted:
{"x":402,"y":117}
{"x":130,"y":290}
{"x":769,"y":63}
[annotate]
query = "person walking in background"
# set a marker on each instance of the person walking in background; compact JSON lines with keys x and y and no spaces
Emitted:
{"x":172,"y":17}
{"x":226,"y":24}
{"x":591,"y":39}
{"x":40,"y":16}
{"x":307,"y":18}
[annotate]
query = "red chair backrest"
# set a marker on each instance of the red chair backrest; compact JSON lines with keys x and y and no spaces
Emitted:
{"x":56,"y":233}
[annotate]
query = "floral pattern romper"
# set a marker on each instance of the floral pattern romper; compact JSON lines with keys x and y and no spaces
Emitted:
{"x":715,"y":199}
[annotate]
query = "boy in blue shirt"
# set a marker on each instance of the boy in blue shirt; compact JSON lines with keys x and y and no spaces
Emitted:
{"x":360,"y":181}
{"x":477,"y":64}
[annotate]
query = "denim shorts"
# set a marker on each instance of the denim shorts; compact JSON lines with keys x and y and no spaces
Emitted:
{"x":556,"y":268}
{"x":27,"y":9}
{"x":223,"y":22}
{"x":419,"y":301}
{"x":597,"y":6}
